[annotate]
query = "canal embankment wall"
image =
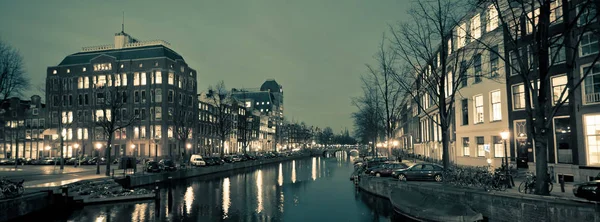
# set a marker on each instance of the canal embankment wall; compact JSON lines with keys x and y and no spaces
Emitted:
{"x":15,"y":207}
{"x":495,"y":206}
{"x":152,"y":178}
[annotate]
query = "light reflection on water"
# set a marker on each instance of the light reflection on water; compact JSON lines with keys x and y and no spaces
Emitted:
{"x":313,"y":189}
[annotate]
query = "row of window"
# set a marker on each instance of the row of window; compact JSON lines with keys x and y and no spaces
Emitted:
{"x":108,"y":66}
{"x":29,"y":123}
{"x":481,"y":148}
{"x":138,"y":97}
{"x":478,"y":104}
{"x":139,"y":79}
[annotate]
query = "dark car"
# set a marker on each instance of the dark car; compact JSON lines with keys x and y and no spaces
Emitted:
{"x":152,"y":166}
{"x":588,"y":190}
{"x":72,"y":161}
{"x":422,"y":171}
{"x":228,"y":159}
{"x":210,"y":161}
{"x":94,"y":161}
{"x":5,"y":161}
{"x":386,"y":169}
{"x":218,"y":160}
{"x":168,"y":165}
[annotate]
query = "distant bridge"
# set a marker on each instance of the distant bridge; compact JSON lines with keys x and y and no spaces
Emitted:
{"x":332,"y":150}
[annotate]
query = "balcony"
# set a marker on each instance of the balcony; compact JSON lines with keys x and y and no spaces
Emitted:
{"x":592,"y":98}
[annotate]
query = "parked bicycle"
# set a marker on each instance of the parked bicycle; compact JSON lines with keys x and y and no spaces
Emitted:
{"x":528,"y":186}
{"x":10,"y":189}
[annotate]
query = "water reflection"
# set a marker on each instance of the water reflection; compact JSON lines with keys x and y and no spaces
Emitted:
{"x":226,"y":200}
{"x":280,"y":175}
{"x":314,"y":168}
{"x":317,"y":189}
{"x":293,"y":171}
{"x":259,"y":191}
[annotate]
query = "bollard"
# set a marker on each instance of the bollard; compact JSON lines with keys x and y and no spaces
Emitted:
{"x":65,"y":194}
{"x":561,"y":180}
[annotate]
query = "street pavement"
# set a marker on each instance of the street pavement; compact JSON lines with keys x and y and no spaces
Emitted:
{"x":37,"y":176}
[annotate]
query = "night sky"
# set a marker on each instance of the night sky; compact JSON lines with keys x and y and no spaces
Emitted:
{"x":316,"y":49}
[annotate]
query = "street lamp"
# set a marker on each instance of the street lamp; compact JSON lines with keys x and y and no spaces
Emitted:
{"x":98,"y":146}
{"x":133,"y":149}
{"x":49,"y":152}
{"x":505,"y":135}
{"x":76,"y":146}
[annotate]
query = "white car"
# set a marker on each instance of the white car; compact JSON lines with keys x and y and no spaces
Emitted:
{"x":197,"y":160}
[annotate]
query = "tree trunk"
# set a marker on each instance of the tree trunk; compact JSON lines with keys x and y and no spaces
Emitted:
{"x":17,"y":148}
{"x":62,"y":143}
{"x":445,"y":145}
{"x":108,"y":149}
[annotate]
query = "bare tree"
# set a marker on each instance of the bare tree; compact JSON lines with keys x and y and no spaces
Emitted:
{"x":184,"y":123}
{"x":382,"y":78}
{"x":110,"y":113}
{"x":222,"y":101}
{"x":12,"y":74}
{"x":432,"y":68}
{"x":326,"y":136}
{"x":367,"y":122}
{"x":532,"y":48}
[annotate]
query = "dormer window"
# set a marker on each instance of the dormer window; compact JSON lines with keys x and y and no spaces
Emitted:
{"x":182,"y":69}
{"x":102,"y":67}
{"x":68,"y":70}
{"x":141,"y":65}
{"x":156,"y":64}
{"x":84,"y":69}
{"x":54,"y":72}
{"x":122,"y":66}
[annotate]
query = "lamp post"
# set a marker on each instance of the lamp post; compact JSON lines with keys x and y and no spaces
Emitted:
{"x":49,"y":152}
{"x":76,"y":146}
{"x":98,"y":146}
{"x":505,"y":135}
{"x":133,"y":153}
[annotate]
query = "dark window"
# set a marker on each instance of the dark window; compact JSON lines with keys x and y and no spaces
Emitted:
{"x":494,"y":61}
{"x":463,"y":74}
{"x":477,"y":68}
{"x":170,"y":96}
{"x":136,"y":96}
{"x":80,"y":100}
{"x":562,"y":138}
{"x":124,"y":97}
{"x":87,"y":99}
{"x":70,"y":100}
{"x":143,"y":114}
{"x":143,"y":96}
{"x":465,"y":112}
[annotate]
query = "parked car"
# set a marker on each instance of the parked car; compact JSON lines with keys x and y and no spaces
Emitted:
{"x":167,"y":164}
{"x":218,"y":160}
{"x":152,"y":166}
{"x":4,"y":161}
{"x":94,"y":160}
{"x":422,"y":171}
{"x":197,"y":160}
{"x":588,"y":190}
{"x":236,"y":158}
{"x":72,"y":161}
{"x":209,"y":161}
{"x":250,"y":157}
{"x":228,"y":159}
{"x":48,"y":161}
{"x":386,"y":169}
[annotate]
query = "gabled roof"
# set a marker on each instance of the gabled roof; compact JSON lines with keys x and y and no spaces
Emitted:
{"x":270,"y":85}
{"x":153,"y":51}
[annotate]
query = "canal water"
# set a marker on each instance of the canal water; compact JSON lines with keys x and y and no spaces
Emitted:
{"x":310,"y":189}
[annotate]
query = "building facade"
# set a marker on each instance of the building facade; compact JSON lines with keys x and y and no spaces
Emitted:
{"x":154,"y":86}
{"x":22,"y":127}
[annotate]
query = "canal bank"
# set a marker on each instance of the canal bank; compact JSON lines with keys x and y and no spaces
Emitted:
{"x":145,"y":179}
{"x":494,"y":206}
{"x":52,"y":199}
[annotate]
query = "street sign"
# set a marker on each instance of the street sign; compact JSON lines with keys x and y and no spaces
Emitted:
{"x":486,"y":147}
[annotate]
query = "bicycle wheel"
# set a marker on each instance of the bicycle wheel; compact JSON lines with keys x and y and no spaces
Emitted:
{"x":20,"y":190}
{"x":523,"y":187}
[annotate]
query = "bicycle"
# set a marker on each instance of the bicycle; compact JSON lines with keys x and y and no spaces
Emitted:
{"x":11,"y":189}
{"x":528,"y":186}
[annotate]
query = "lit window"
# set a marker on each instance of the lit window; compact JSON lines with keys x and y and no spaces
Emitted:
{"x":592,"y":133}
{"x":143,"y":79}
{"x":263,"y":103}
{"x":494,"y":61}
{"x":267,"y":103}
{"x":262,"y":110}
{"x":477,"y":68}
{"x":141,"y":65}
{"x":100,"y":115}
{"x":461,"y":33}
{"x":171,"y":78}
{"x":170,"y":132}
{"x":68,"y":70}
{"x":498,"y":146}
{"x":588,"y":45}
{"x":54,"y":72}
{"x":591,"y":84}
{"x":158,"y":79}
{"x":101,"y":80}
{"x":136,"y":79}
{"x":555,"y":12}
{"x":86,"y":82}
{"x":117,"y":80}
{"x":84,"y":69}
{"x":496,"y":100}
{"x":124,"y":79}
{"x":450,"y":46}
{"x":532,"y":20}
{"x":518,"y":92}
{"x":102,"y":67}
{"x":449,"y":86}
{"x":466,"y":150}
{"x":559,"y":84}
{"x":492,"y":22}
{"x":480,"y":146}
{"x":122,"y":66}
{"x":80,"y":83}
{"x":478,"y":102}
{"x":476,"y":26}
{"x":257,"y":103}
